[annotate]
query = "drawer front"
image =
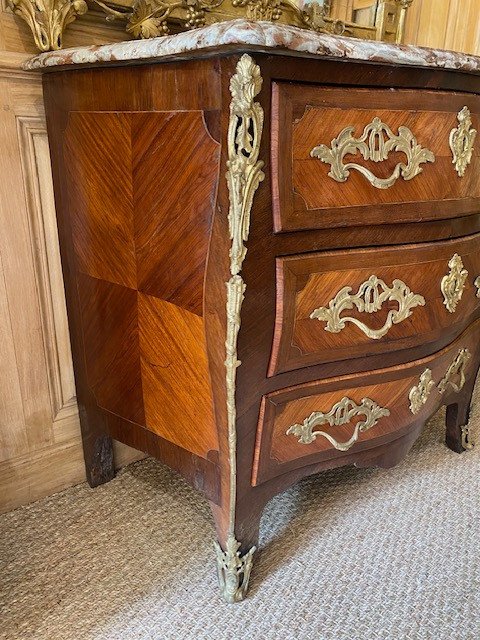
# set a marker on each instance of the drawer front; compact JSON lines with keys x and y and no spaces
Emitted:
{"x":344,"y":157}
{"x":328,"y":419}
{"x":340,"y":305}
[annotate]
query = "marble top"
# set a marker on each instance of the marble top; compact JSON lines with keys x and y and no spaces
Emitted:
{"x":243,"y":35}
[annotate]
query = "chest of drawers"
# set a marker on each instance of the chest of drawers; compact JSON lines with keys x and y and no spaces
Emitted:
{"x":271,"y":248}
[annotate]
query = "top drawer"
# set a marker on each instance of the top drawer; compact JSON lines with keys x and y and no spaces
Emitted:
{"x":343,"y":156}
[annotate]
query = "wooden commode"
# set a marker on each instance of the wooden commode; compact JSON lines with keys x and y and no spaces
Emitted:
{"x":271,"y":249}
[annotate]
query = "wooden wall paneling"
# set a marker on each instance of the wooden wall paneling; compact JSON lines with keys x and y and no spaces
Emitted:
{"x":13,"y":437}
{"x":44,"y":246}
{"x":20,"y":285}
{"x":463,"y":26}
{"x":447,"y":24}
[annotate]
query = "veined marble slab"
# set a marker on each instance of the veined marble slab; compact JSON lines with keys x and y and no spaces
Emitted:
{"x":243,"y":35}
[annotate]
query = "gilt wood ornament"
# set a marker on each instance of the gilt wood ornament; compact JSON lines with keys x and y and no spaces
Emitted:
{"x":152,"y":18}
{"x":48,"y":19}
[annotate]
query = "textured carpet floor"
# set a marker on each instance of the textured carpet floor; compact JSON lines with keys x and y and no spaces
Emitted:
{"x":348,"y":554}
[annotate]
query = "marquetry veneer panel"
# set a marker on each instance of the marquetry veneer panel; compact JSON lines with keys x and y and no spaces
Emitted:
{"x":140,"y":227}
{"x":278,"y":452}
{"x":306,"y":197}
{"x":133,"y":218}
{"x":313,"y":281}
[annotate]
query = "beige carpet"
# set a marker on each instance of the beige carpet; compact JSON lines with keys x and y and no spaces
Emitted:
{"x":349,"y":554}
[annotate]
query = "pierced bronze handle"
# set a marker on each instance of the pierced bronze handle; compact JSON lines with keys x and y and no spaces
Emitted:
{"x":376,"y":143}
{"x":341,"y":413}
{"x":370,"y":297}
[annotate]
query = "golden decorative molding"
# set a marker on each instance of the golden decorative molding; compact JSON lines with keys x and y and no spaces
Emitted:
{"x":453,"y":284}
{"x":467,"y":441}
{"x":418,"y":395}
{"x":462,"y":139}
{"x":340,"y":414}
{"x":244,"y":174}
{"x":370,"y":298}
{"x":376,"y":143}
{"x":455,"y":375}
{"x":48,"y":19}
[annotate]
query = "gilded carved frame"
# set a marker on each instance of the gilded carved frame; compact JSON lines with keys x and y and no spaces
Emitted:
{"x":48,"y":19}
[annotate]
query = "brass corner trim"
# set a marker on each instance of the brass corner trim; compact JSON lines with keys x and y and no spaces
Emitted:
{"x":461,"y":140}
{"x":376,"y":144}
{"x":244,"y":169}
{"x":453,"y":284}
{"x":341,"y":413}
{"x":370,"y":298}
{"x":48,"y":19}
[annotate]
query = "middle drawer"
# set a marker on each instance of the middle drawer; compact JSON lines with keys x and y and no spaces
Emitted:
{"x":352,"y":303}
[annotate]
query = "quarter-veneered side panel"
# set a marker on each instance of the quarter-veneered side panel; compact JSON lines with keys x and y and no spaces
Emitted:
{"x":141,"y":189}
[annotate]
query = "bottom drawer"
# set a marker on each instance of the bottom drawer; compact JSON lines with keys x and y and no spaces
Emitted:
{"x":327,"y":419}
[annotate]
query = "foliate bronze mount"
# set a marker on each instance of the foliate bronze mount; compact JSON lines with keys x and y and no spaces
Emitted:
{"x":418,"y":395}
{"x":376,"y":144}
{"x":244,"y":174}
{"x":455,"y":374}
{"x":467,"y":440}
{"x":453,"y":284}
{"x":342,"y":413}
{"x":370,"y":298}
{"x":462,"y":139}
